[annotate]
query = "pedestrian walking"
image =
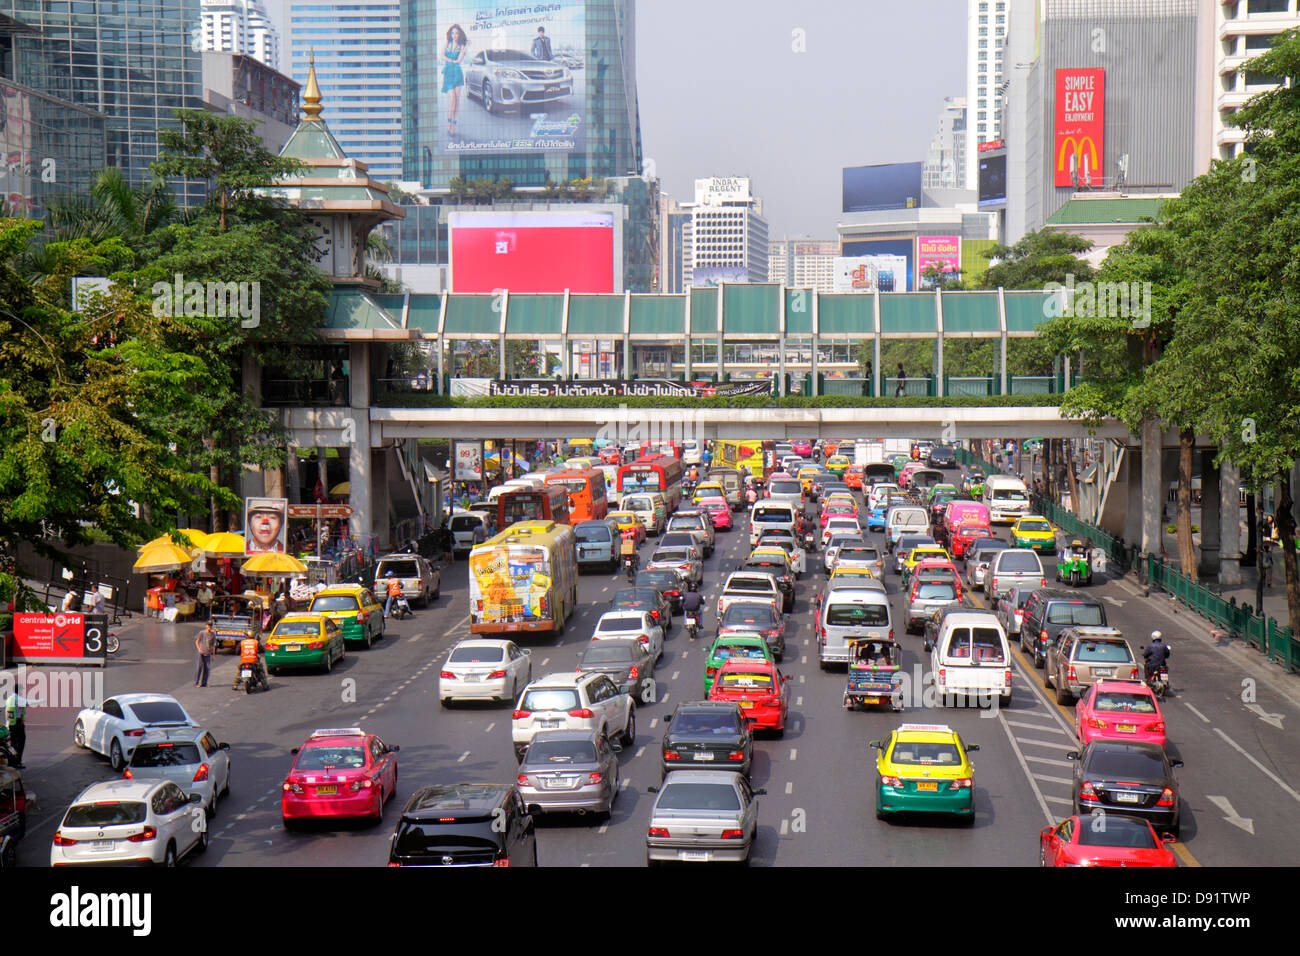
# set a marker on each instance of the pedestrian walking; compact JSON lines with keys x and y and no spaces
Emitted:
{"x":16,"y":722}
{"x":902,"y":381}
{"x":204,"y":644}
{"x":1266,"y":562}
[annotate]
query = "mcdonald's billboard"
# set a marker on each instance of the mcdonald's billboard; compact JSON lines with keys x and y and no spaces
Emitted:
{"x":1080,"y":126}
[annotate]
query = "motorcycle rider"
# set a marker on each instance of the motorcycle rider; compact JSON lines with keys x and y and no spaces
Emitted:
{"x":1155,"y":655}
{"x":250,"y":655}
{"x":394,"y":592}
{"x":693,"y":607}
{"x":629,"y":556}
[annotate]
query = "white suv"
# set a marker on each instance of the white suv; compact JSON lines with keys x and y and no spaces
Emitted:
{"x":572,"y":702}
{"x":130,"y":821}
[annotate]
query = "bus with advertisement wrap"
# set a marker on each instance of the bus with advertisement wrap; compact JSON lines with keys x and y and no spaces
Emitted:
{"x":586,"y":490}
{"x":756,"y":457}
{"x":660,"y":473}
{"x":524,"y":579}
{"x":543,"y":503}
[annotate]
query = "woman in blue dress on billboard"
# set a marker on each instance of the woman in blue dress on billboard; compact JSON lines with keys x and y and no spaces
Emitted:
{"x":453,"y":77}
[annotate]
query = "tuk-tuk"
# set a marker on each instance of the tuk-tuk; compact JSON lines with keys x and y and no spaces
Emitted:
{"x":1074,"y":563}
{"x":875,"y":673}
{"x":236,"y":617}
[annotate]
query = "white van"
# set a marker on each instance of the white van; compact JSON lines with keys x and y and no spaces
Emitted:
{"x":767,"y":515}
{"x":847,"y":613}
{"x":1006,"y":497}
{"x":971,"y":657}
{"x":905,"y":519}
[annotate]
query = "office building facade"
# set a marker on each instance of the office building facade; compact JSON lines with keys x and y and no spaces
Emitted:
{"x":945,"y":164}
{"x":986,"y":26}
{"x":238,"y":85}
{"x":241,"y":26}
{"x":1242,"y":30}
{"x":727,"y":236}
{"x":803,"y":263}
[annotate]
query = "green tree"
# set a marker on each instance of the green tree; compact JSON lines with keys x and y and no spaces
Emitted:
{"x":1037,"y":259}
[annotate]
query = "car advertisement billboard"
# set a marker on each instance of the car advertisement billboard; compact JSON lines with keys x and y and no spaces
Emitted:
{"x":532,"y":251}
{"x":511,"y":78}
{"x":1080,"y":124}
{"x":704,"y":276}
{"x":941,"y":252}
{"x":887,"y":186}
{"x":887,"y":273}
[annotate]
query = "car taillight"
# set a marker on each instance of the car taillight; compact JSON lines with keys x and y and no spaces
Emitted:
{"x":1042,"y":635}
{"x":736,"y":755}
{"x":1070,"y":674}
{"x":669,"y":755}
{"x":582,"y":712}
{"x":1006,"y":678}
{"x":710,"y":671}
{"x":962,"y":784}
{"x":655,"y":615}
{"x":292,"y":788}
{"x":61,"y":840}
{"x":148,"y":833}
{"x":642,"y":639}
{"x":1157,"y":728}
{"x":1133,"y":672}
{"x":1086,"y":792}
{"x":201,"y":773}
{"x":504,"y":861}
{"x":522,"y":778}
{"x":657,"y":832}
{"x":495,"y":675}
{"x":521,"y":714}
{"x":1166,"y":798}
{"x":891,"y":781}
{"x":448,"y":675}
{"x":1042,"y":582}
{"x":360,"y":785}
{"x":1096,"y":723}
{"x":361,"y":617}
{"x":137,"y":732}
{"x":943,"y":673}
{"x":595,"y":777}
{"x":128,"y":774}
{"x":733,"y":834}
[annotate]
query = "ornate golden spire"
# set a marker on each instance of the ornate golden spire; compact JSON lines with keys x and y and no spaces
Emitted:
{"x":311,"y":95}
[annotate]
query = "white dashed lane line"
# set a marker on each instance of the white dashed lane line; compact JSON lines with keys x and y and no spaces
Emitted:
{"x":789,"y":787}
{"x":794,"y":753}
{"x":488,"y":728}
{"x":462,"y":757}
{"x":676,"y":674}
{"x":1050,"y":761}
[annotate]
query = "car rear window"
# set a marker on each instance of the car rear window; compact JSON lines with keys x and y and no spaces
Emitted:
{"x":913,"y":753}
{"x":909,"y":516}
{"x":721,"y":725}
{"x":638,"y":504}
{"x":557,"y":698}
{"x":342,"y":758}
{"x":1126,"y":765}
{"x":1104,"y":652}
{"x":1124,"y":703}
{"x":1118,"y":832}
{"x":165,"y":755}
{"x":465,"y":523}
{"x":430,"y":839}
{"x":749,"y":584}
{"x":334,"y":602}
{"x":561,"y":751}
{"x":158,"y":712}
{"x":936,"y":591}
{"x":607,"y":652}
{"x":757,"y":614}
{"x":626,"y":622}
{"x":983,"y":645}
{"x":591,"y":532}
{"x":110,"y":813}
{"x":745,"y":680}
{"x":670,"y":554}
{"x":698,"y":796}
{"x":1078,"y":613}
{"x":859,"y":554}
{"x":476,"y":655}
{"x":296,"y":629}
{"x":1008,"y":494}
{"x":857,"y":615}
{"x":400,"y":569}
{"x":1015,"y":561}
{"x":773,"y":514}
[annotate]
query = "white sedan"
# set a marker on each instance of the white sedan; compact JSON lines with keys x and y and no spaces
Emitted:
{"x":115,"y":728}
{"x":484,"y":670}
{"x":638,"y":625}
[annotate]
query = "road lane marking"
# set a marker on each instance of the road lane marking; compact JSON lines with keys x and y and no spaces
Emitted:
{"x":794,"y":753}
{"x":626,"y":782}
{"x":1069,"y":802}
{"x":801,"y":679}
{"x":1064,"y":780}
{"x":545,"y":661}
{"x":462,"y":757}
{"x":789,"y":787}
{"x":1196,"y":712}
{"x":665,"y":699}
{"x":641,"y":750}
{"x":1019,"y":723}
{"x":676,"y":674}
{"x":798,"y":701}
{"x":804,"y":659}
{"x":488,"y":730}
{"x":1268,"y":773}
{"x":1049,"y":760}
{"x":785,"y":827}
{"x":654,"y":723}
{"x":684,"y":653}
{"x":1020,"y":758}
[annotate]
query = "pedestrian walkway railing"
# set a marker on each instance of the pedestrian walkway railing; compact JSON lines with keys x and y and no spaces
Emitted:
{"x":1117,"y":552}
{"x":966,"y":457}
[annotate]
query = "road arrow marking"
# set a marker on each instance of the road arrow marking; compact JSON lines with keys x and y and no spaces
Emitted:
{"x":1115,"y":601}
{"x":1262,"y":714}
{"x":1229,"y":814}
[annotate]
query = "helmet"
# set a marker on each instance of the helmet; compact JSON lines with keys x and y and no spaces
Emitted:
{"x":1155,"y":635}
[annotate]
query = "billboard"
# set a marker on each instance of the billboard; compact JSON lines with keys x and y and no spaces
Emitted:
{"x":532,"y":251}
{"x":511,"y":78}
{"x":705,"y":276}
{"x":59,"y":639}
{"x":944,"y":252}
{"x":895,"y":249}
{"x":467,"y":461}
{"x":1080,"y":124}
{"x":265,"y":525}
{"x":886,"y":273}
{"x":888,"y":186}
{"x":993,"y":181}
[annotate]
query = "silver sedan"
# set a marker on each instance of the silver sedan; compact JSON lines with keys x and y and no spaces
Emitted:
{"x":702,"y":816}
{"x":570,"y":771}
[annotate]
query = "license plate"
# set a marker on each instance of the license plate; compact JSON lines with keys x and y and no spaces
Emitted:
{"x":326,"y":790}
{"x":1128,"y":798}
{"x":470,"y":678}
{"x":246,"y":672}
{"x":746,"y":704}
{"x":292,"y":648}
{"x":704,"y":756}
{"x":558,"y":783}
{"x":1127,"y":728}
{"x":102,"y":844}
{"x":548,"y":724}
{"x":1104,"y":671}
{"x":693,"y":856}
{"x":927,"y":787}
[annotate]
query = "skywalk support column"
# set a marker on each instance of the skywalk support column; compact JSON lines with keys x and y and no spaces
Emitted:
{"x":1229,"y":525}
{"x":356,"y":435}
{"x":1153,"y":486}
{"x":1133,"y":491}
{"x":1210,"y":526}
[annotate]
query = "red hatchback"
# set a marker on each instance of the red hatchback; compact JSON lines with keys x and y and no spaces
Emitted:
{"x":759,"y":688}
{"x":1119,"y":710}
{"x":337,"y":773}
{"x":1110,"y":840}
{"x":964,"y":535}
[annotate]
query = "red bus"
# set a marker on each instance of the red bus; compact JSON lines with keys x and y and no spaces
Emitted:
{"x":540,"y":504}
{"x":586,"y":488}
{"x":661,"y":473}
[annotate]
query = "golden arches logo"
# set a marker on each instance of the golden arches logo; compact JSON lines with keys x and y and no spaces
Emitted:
{"x":1079,"y":145}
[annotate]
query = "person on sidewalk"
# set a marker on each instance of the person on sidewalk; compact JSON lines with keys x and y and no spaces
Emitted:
{"x":204,"y":644}
{"x":1266,"y":563}
{"x":16,"y":722}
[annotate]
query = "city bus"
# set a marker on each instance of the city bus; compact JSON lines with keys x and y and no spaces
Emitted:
{"x":524,"y":579}
{"x":756,"y":457}
{"x":586,"y":490}
{"x":547,"y":503}
{"x":659,"y":473}
{"x":645,"y":449}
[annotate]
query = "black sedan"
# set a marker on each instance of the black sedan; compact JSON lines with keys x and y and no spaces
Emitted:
{"x":667,"y":582}
{"x":707,"y":735}
{"x":1131,"y":778}
{"x":941,"y":456}
{"x":648,"y":599}
{"x":626,"y":661}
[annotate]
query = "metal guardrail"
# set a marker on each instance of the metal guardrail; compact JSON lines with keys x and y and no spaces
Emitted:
{"x":1075,"y":527}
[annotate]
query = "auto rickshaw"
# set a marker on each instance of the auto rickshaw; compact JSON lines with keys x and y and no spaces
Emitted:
{"x":875,"y":673}
{"x":1074,"y":563}
{"x":235,"y":617}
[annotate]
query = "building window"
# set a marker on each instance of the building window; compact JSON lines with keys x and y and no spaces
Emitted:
{"x":1267,"y":6}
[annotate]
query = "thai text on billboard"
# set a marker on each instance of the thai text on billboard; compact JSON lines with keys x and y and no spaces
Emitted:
{"x":944,"y":252}
{"x":1080,"y":148}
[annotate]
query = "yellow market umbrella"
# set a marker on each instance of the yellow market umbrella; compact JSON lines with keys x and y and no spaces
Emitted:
{"x":162,"y":557}
{"x":343,"y":488}
{"x":226,"y":544}
{"x":273,"y":564}
{"x":196,"y":539}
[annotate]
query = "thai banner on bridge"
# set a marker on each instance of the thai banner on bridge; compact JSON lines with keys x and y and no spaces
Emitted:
{"x":650,"y":387}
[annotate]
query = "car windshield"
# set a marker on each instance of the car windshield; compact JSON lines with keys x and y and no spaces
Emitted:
{"x":1008,"y":494}
{"x":670,"y":554}
{"x":719,"y":725}
{"x":1118,"y":832}
{"x":698,"y":796}
{"x":1126,"y":764}
{"x":476,"y":655}
{"x":758,"y":615}
{"x":745,"y":681}
{"x":558,"y":698}
{"x":1104,"y":652}
{"x":623,"y":623}
{"x":110,"y":813}
{"x":786,"y":486}
{"x":165,"y":755}
{"x":334,"y":602}
{"x":1014,"y":561}
{"x":913,"y":752}
{"x":591,"y":532}
{"x":465,"y":523}
{"x":400,"y":569}
{"x":1076,"y":612}
{"x":607,"y":652}
{"x":1125,"y":703}
{"x":318,"y":758}
{"x":1035,"y":526}
{"x":158,"y":712}
{"x":857,"y":615}
{"x":561,"y":751}
{"x":296,"y":629}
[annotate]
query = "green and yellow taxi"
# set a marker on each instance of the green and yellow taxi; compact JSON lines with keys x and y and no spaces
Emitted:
{"x":898,"y":461}
{"x":304,"y":640}
{"x":925,"y":768}
{"x":942,"y":488}
{"x":708,"y":489}
{"x":1034,"y":532}
{"x":923,"y":552}
{"x":736,"y":646}
{"x":354,"y":609}
{"x":838,"y":464}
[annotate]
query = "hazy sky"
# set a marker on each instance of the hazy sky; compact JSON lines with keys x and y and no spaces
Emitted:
{"x":723,"y":94}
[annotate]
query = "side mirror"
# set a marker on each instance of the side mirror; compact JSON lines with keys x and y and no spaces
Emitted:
{"x":654,"y":789}
{"x":615,"y":747}
{"x":223,"y":746}
{"x":294,"y":750}
{"x":1072,"y":755}
{"x":1168,"y":838}
{"x":761,"y":792}
{"x":668,"y":718}
{"x":971,"y":748}
{"x":528,"y":651}
{"x":1175,"y":764}
{"x":873,"y":744}
{"x":394,"y":748}
{"x":929,"y":645}
{"x":194,"y":798}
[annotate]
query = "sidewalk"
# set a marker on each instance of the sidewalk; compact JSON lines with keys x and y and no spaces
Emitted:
{"x":1244,"y":593}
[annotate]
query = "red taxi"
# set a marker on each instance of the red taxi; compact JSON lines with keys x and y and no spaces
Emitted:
{"x":719,"y":510}
{"x":339,"y":772}
{"x":759,"y":688}
{"x":1119,"y":710}
{"x":853,"y":476}
{"x":1114,"y":840}
{"x":965,"y":534}
{"x":610,"y":455}
{"x":838,"y":510}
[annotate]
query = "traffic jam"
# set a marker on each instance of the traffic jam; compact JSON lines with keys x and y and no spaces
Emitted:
{"x":739,"y":582}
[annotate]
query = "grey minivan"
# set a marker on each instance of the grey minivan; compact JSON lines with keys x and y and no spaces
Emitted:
{"x":598,"y":542}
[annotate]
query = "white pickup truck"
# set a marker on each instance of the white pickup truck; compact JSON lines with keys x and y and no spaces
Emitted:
{"x":750,"y":587}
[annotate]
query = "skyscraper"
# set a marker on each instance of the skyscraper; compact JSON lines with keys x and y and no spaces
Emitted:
{"x":525,"y":94}
{"x":986,"y":27}
{"x":727,"y":236}
{"x":241,"y":26}
{"x":357,"y":44}
{"x":945,"y":166}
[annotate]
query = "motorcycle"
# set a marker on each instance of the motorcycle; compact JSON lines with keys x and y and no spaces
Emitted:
{"x":1157,"y":679}
{"x":401,"y":608}
{"x":630,"y":563}
{"x":251,"y":677}
{"x":692,"y":626}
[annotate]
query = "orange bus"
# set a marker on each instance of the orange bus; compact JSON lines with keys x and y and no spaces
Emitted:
{"x":586,"y":488}
{"x":533,"y":504}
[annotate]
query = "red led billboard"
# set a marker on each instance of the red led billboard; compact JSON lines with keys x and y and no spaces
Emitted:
{"x":532,"y":251}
